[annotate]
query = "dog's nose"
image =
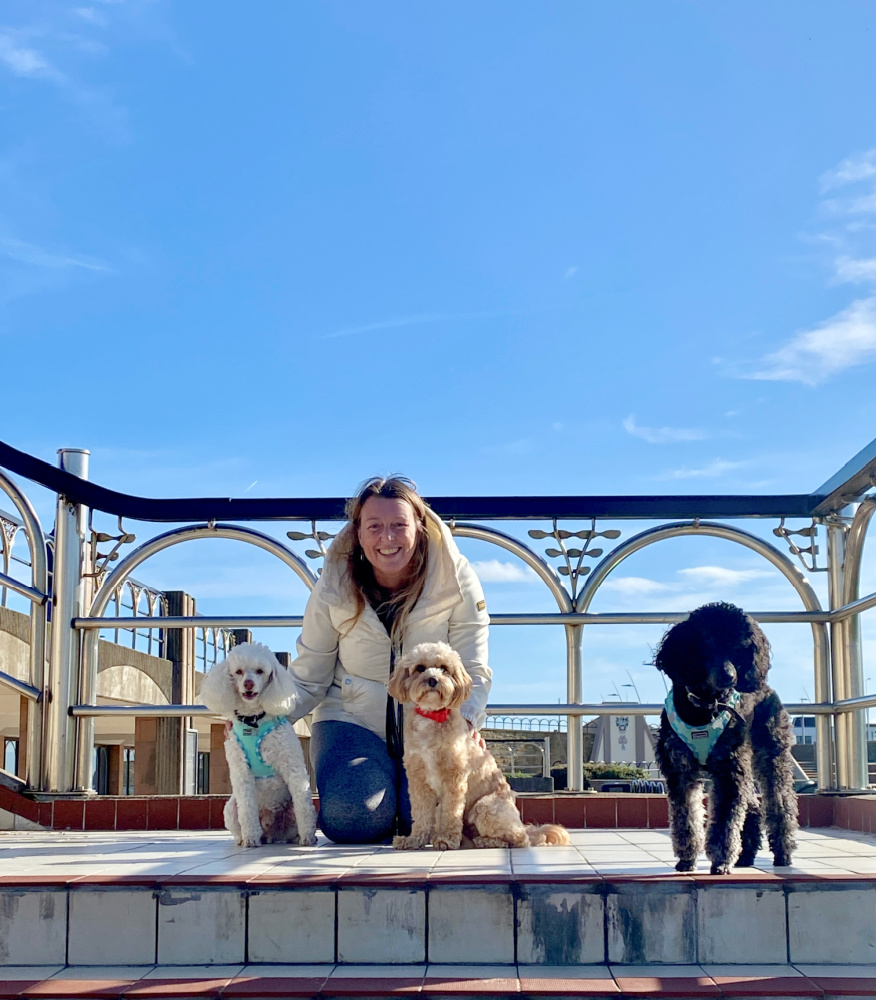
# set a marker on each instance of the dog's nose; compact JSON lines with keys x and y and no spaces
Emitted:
{"x":726,"y":675}
{"x":248,"y":684}
{"x":433,"y":682}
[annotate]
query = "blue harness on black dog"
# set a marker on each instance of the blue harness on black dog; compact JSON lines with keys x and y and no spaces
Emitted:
{"x":701,"y":739}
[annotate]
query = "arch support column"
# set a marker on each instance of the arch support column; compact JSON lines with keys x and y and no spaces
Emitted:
{"x":68,"y":601}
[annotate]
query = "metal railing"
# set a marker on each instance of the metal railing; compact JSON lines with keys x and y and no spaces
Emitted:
{"x":66,"y":718}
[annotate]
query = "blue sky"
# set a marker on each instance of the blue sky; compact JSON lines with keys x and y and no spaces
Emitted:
{"x":556,"y":248}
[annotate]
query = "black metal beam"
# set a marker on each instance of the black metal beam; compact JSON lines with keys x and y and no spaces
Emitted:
{"x":182,"y":510}
{"x":856,"y":477}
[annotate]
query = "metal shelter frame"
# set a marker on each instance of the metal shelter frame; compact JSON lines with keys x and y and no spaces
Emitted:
{"x":60,"y":736}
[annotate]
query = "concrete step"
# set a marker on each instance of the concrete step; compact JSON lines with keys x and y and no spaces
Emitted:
{"x":610,"y":899}
{"x":253,"y":981}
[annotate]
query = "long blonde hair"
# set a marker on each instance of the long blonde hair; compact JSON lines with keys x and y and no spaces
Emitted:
{"x":359,"y":569}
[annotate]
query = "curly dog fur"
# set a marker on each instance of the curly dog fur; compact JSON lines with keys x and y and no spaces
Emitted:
{"x":716,"y":650}
{"x":276,"y":809}
{"x":458,"y":794}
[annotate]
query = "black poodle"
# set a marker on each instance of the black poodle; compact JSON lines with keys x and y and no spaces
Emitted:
{"x":722,"y":721}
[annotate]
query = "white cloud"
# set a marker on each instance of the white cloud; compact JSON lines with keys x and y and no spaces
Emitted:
{"x":856,"y":270}
{"x":92,"y":15}
{"x":522,"y":446}
{"x":867,"y":203}
{"x":19,"y":57}
{"x":848,"y":338}
{"x":632,"y":586}
{"x":721,"y":576}
{"x":496,"y":571}
{"x":27,"y":62}
{"x":28,"y":253}
{"x":852,"y":169}
{"x":661,"y":435}
{"x":843,"y":341}
{"x":402,"y":321}
{"x":570,"y":272}
{"x":717,"y":467}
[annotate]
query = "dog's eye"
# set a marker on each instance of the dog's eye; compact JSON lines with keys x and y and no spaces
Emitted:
{"x":259,"y":670}
{"x":239,"y":673}
{"x":420,"y":669}
{"x":443,"y":669}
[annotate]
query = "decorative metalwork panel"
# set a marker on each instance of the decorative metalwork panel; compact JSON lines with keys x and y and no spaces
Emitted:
{"x":572,"y":564}
{"x":807,"y":554}
{"x":320,"y":537}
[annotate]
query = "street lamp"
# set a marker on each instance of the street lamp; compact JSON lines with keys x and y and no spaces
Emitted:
{"x":633,"y":686}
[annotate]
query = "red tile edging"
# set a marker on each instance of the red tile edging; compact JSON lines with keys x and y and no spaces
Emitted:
{"x":593,"y":810}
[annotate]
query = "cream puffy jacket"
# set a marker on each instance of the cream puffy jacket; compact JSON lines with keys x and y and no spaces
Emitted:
{"x":342,"y":672}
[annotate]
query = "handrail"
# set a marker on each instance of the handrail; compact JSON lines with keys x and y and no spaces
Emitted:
{"x":95,"y":497}
{"x":591,"y":708}
{"x":22,"y":687}
{"x":536,"y":618}
{"x":37,"y":596}
{"x":854,"y":608}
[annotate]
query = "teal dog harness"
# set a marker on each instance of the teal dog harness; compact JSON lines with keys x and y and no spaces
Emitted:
{"x":250,"y":739}
{"x":701,"y":740}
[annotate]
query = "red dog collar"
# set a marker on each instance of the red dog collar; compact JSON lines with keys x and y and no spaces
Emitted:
{"x":442,"y":715}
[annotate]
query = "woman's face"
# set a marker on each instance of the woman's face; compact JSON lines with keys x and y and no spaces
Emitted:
{"x":388,"y":536}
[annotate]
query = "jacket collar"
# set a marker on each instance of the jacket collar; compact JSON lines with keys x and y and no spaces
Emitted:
{"x":441,"y":589}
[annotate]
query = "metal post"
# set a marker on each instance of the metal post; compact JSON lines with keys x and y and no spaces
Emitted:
{"x":574,"y":694}
{"x":62,"y":683}
{"x":854,"y":543}
{"x":851,"y":760}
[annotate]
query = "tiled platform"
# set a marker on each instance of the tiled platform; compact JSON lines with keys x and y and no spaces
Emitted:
{"x":612,"y":899}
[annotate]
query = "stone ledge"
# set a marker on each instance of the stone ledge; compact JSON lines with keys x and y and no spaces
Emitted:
{"x":256,"y":981}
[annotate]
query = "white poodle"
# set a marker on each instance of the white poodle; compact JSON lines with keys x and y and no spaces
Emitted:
{"x":271,"y":801}
{"x":458,"y":794}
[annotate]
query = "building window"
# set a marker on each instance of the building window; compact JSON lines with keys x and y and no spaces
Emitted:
{"x":128,"y":776}
{"x":203,"y":773}
{"x":10,"y":756}
{"x":100,"y":777}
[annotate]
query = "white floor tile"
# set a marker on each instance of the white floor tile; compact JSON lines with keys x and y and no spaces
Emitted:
{"x":839,"y":971}
{"x":670,"y":971}
{"x":378,"y":971}
{"x":194,"y":972}
{"x":287,"y":971}
{"x":97,"y":972}
{"x":18,"y":973}
{"x":563,"y":971}
{"x":755,"y":971}
{"x":471,"y":972}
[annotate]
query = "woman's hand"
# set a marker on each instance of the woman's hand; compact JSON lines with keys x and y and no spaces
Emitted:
{"x":476,"y":736}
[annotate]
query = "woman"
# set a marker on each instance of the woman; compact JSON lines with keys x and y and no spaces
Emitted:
{"x":393,"y":578}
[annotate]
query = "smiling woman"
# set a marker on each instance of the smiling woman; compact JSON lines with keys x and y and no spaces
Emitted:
{"x":393,"y":578}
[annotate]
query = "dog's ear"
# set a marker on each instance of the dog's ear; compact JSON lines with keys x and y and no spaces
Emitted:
{"x":217,"y":690}
{"x":462,"y":682}
{"x":672,"y":653}
{"x":279,"y":696}
{"x":400,"y":681}
{"x":756,"y":653}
